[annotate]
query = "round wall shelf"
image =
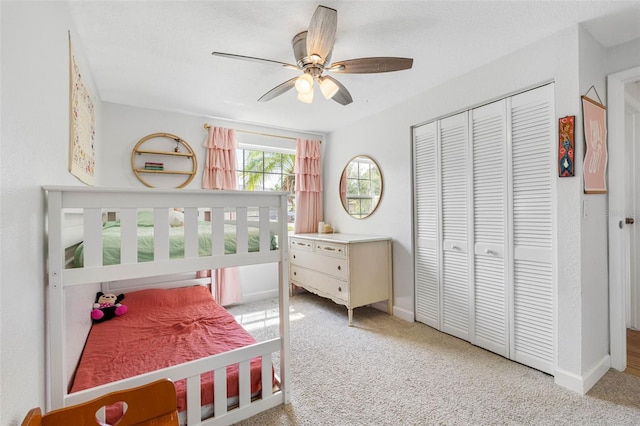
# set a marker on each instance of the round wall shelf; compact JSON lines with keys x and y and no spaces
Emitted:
{"x":156,"y":147}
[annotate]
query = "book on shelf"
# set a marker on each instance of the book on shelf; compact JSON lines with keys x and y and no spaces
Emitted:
{"x":149,"y":165}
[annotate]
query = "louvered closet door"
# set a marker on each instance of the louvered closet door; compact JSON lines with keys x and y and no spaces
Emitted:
{"x":490,"y":238}
{"x":532,"y":145}
{"x":427,"y":267}
{"x":454,"y":219}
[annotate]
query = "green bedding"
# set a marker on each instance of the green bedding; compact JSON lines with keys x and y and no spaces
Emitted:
{"x":111,"y":242}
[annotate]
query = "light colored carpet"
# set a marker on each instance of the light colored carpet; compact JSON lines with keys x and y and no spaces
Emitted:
{"x":385,"y":371}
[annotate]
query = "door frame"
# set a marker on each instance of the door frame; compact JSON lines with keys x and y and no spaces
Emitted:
{"x":618,"y":251}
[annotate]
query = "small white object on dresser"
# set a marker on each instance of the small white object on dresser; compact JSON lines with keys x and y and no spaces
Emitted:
{"x":352,"y":270}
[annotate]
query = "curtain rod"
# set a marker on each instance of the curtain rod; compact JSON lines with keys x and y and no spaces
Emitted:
{"x":207,"y":126}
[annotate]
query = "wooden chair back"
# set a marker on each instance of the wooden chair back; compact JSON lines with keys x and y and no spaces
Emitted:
{"x":153,"y":404}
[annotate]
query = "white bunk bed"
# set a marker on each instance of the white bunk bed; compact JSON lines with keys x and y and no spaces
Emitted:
{"x":70,"y":290}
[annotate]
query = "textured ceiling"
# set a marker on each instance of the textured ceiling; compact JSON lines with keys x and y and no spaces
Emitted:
{"x":157,"y":54}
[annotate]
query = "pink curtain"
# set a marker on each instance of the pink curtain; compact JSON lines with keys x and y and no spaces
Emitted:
{"x":308,"y":186}
{"x":220,"y":173}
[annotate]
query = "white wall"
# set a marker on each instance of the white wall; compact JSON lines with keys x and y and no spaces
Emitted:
{"x":594,"y":234}
{"x":386,"y":137}
{"x":125,"y":125}
{"x":623,"y":57}
{"x":34,"y":151}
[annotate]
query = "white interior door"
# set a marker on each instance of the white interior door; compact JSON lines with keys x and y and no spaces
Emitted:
{"x":632,"y":147}
{"x":619,"y":259}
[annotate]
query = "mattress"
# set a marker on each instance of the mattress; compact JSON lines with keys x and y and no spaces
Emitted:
{"x":111,"y":241}
{"x":165,"y":327}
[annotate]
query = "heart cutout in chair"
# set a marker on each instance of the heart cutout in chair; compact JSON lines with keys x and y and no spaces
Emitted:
{"x":110,"y":415}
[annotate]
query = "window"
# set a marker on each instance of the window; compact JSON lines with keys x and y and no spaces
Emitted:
{"x":363,"y":186}
{"x":260,"y":170}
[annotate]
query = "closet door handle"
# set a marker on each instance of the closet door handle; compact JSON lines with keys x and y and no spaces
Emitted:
{"x":490,"y":252}
{"x":454,"y":247}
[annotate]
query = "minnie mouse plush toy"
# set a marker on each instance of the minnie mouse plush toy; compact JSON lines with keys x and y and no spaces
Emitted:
{"x":107,"y":306}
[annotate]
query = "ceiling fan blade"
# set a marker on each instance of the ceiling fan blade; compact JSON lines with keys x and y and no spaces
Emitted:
{"x":371,"y":65}
{"x":343,"y":96}
{"x":321,"y":34}
{"x":252,"y":59}
{"x":278,"y":90}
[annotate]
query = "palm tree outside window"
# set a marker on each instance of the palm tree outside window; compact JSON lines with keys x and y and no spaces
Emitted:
{"x":267,"y":171}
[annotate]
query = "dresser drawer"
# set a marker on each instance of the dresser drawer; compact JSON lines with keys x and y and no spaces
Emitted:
{"x":332,"y":287}
{"x":301,"y":244}
{"x":330,"y":249}
{"x":300,"y":275}
{"x":334,"y":266}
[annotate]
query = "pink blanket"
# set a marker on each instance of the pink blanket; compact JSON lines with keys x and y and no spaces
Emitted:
{"x":164,"y":328}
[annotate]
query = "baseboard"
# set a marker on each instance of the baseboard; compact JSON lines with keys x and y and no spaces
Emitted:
{"x":403,"y":314}
{"x":582,"y":384}
{"x":259,"y":295}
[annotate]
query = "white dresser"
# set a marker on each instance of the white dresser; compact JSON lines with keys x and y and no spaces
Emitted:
{"x":352,"y":270}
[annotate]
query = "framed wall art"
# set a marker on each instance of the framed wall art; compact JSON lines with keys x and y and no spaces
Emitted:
{"x":81,"y":125}
{"x":594,"y":115}
{"x":566,"y":146}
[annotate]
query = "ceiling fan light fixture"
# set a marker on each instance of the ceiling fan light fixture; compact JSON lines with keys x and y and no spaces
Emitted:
{"x":315,"y":58}
{"x":307,"y":98}
{"x":328,"y":87}
{"x":304,"y":84}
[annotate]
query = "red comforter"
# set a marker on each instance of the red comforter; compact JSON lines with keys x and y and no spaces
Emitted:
{"x":164,"y":328}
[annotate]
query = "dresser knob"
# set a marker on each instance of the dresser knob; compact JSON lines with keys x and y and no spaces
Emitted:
{"x":295,"y":273}
{"x":294,"y":256}
{"x":339,"y":288}
{"x":339,"y":268}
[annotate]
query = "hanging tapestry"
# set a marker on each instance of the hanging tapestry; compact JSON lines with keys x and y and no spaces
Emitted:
{"x":82,"y":126}
{"x":595,"y":135}
{"x":566,"y":146}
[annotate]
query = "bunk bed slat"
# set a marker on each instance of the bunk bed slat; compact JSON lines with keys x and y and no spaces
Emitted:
{"x":160,"y":234}
{"x":128,"y":240}
{"x":190,"y":232}
{"x":267,"y":366}
{"x":220,"y":392}
{"x":242,"y":232}
{"x":93,"y":237}
{"x":193,"y":400}
{"x":265,"y":231}
{"x":217,"y":231}
{"x":245,"y":383}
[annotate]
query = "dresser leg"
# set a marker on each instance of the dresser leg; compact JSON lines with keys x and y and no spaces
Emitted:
{"x":350,"y":317}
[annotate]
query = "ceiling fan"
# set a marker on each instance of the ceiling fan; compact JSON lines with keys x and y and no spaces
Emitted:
{"x":312,"y":50}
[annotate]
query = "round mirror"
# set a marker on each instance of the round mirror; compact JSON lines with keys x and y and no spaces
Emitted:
{"x":361,"y":186}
